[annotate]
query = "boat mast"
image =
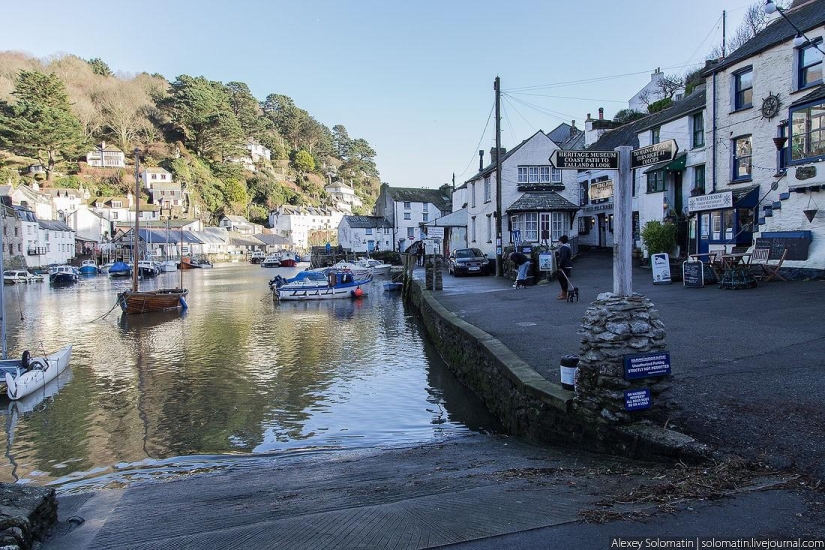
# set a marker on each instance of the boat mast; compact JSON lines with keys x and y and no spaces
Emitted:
{"x":135,"y":237}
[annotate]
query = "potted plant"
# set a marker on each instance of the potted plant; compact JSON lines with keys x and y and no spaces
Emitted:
{"x":659,"y":237}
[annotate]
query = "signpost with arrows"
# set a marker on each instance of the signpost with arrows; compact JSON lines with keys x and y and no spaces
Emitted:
{"x":624,"y":160}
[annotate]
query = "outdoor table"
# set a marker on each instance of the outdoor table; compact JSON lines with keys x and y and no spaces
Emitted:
{"x":734,"y":259}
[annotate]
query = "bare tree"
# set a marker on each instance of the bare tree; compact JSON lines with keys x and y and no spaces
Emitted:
{"x":755,"y":20}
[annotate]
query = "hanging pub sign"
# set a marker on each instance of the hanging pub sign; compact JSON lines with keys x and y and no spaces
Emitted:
{"x":601,"y":190}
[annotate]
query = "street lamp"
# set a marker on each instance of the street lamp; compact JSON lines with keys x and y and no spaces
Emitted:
{"x":800,"y":39}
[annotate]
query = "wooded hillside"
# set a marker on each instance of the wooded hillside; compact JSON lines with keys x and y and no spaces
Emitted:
{"x":54,"y":111}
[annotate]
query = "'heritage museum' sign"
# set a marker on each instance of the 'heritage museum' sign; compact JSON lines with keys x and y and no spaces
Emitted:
{"x":585,"y":160}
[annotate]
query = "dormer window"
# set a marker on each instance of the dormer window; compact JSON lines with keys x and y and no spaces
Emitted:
{"x":117,"y":204}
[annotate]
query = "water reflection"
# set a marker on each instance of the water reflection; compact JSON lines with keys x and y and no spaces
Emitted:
{"x":236,"y":374}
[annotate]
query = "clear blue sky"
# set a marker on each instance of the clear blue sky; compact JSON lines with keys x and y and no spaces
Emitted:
{"x":415,"y":79}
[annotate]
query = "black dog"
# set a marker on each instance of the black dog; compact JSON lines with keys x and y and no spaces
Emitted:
{"x":572,"y":292}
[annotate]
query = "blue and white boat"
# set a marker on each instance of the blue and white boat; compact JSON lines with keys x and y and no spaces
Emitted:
{"x":120,"y":269}
{"x":89,"y":267}
{"x":327,"y":284}
{"x":62,"y":275}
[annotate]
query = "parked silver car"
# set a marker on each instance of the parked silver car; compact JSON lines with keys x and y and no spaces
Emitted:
{"x":467,"y":261}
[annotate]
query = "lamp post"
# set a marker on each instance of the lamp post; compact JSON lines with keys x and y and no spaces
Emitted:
{"x":800,"y":39}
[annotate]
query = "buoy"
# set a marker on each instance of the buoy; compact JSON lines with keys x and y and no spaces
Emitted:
{"x":357,"y":293}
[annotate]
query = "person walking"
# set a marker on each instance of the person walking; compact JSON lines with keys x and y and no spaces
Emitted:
{"x":565,"y":257}
{"x":523,"y":263}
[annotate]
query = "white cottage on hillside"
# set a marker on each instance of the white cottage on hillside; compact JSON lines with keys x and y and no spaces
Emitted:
{"x":106,"y":156}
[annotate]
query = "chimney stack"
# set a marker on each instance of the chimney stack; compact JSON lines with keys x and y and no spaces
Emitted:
{"x":481,"y":160}
{"x":601,"y":113}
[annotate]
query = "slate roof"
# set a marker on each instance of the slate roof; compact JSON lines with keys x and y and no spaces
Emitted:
{"x":817,"y":94}
{"x":271,"y":239}
{"x":805,"y":17}
{"x":490,"y":168}
{"x":236,"y":239}
{"x":454,"y":219}
{"x":692,"y":103}
{"x":361,"y":222}
{"x":541,"y":201}
{"x":54,"y":225}
{"x":623,"y":135}
{"x":411,"y":194}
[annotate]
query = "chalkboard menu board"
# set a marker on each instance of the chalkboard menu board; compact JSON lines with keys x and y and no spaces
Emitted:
{"x":693,"y":274}
{"x":796,"y":242}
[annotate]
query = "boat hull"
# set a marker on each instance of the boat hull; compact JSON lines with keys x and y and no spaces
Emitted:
{"x":41,"y":371}
{"x":88,"y":270}
{"x":133,"y":302}
{"x":310,"y":290}
{"x":62,"y":278}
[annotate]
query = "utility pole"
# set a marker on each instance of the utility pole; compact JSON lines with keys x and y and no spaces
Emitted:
{"x":724,"y":41}
{"x":499,"y":263}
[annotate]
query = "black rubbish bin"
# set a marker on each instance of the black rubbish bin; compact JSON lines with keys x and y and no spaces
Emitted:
{"x":568,"y":366}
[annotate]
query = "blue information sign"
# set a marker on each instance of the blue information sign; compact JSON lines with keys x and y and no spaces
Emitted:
{"x":635,"y":400}
{"x":646,"y":365}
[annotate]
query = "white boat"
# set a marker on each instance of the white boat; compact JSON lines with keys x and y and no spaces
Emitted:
{"x":328,"y":284}
{"x":168,"y":266}
{"x":148,"y":268}
{"x":378,"y":267}
{"x":17,"y":276}
{"x":357,"y":270}
{"x":273,"y":260}
{"x":25,"y":375}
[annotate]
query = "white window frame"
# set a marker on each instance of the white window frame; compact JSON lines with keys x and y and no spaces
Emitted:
{"x":407,"y":205}
{"x":407,"y":215}
{"x":488,"y":194}
{"x":531,"y":227}
{"x":473,"y":195}
{"x":557,"y":225}
{"x":555,"y":176}
{"x":522,"y":174}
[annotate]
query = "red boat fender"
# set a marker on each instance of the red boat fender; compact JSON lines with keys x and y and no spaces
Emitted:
{"x":357,"y":293}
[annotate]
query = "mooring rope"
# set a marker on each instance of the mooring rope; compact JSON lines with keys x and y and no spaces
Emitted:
{"x":117,"y":302}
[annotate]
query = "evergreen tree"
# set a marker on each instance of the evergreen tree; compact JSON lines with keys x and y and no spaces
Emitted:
{"x":41,"y":123}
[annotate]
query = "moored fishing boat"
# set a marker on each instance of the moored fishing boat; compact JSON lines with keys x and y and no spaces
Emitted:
{"x":119,"y":269}
{"x":89,"y":267}
{"x":136,"y":301}
{"x":62,"y":275}
{"x":327,"y":284}
{"x":273,"y":260}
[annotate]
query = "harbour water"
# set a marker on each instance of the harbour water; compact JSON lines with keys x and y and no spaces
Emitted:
{"x":236,"y":377}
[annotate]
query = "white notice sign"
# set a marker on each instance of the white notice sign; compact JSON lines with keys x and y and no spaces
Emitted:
{"x":661,"y":269}
{"x":713,"y":201}
{"x":435,"y":233}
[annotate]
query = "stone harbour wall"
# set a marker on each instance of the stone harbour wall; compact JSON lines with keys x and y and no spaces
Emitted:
{"x":530,"y":406}
{"x":26,"y":515}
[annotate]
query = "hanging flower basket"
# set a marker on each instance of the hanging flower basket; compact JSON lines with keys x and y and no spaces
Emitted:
{"x":810,"y":214}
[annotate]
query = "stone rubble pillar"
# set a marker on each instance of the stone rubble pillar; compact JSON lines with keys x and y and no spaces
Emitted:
{"x":614,"y":326}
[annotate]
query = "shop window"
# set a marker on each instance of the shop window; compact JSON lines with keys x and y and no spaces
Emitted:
{"x":808,"y":132}
{"x":743,"y":89}
{"x":742,"y":158}
{"x":531,"y":227}
{"x":557,"y":224}
{"x":582,"y":193}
